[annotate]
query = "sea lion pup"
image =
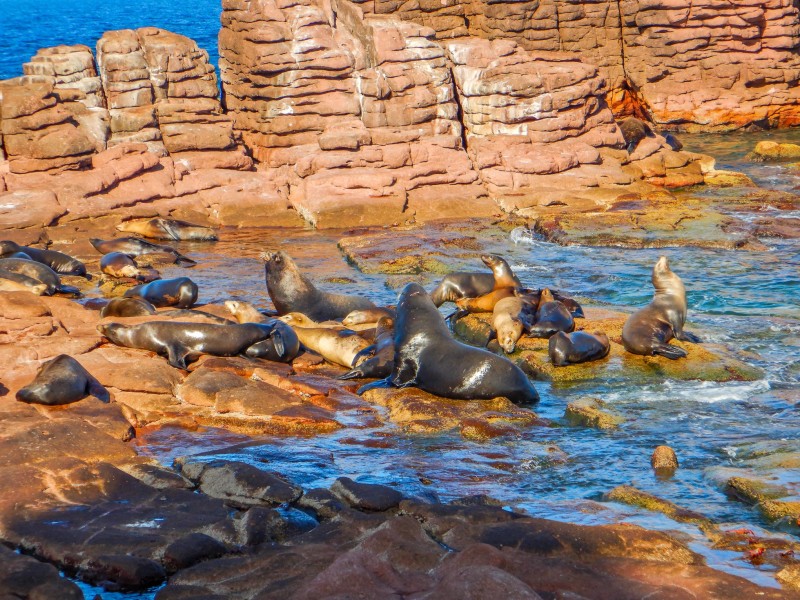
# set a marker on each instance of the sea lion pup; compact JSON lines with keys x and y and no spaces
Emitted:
{"x":471,"y":285}
{"x":183,"y":342}
{"x":127,"y":307}
{"x":339,"y":347}
{"x":533,"y":297}
{"x":577,"y":347}
{"x":168,"y":229}
{"x":296,"y":319}
{"x":16,"y":282}
{"x":117,"y":264}
{"x":380,"y":355}
{"x":62,"y":380}
{"x":370,"y":315}
{"x":551,"y":316}
{"x":511,"y":317}
{"x":634,"y":131}
{"x":648,"y":330}
{"x":291,"y":291}
{"x":134,"y":247}
{"x":429,"y":357}
{"x":180,"y":292}
{"x":282,"y":346}
{"x":61,"y":263}
{"x":40,"y":272}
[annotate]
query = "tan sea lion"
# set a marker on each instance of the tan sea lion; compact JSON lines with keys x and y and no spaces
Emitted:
{"x":296,"y":319}
{"x":337,"y":347}
{"x":62,"y":380}
{"x":379,"y":357}
{"x":485,"y":303}
{"x":16,"y":282}
{"x":282,"y":346}
{"x":510,"y":318}
{"x":160,"y":228}
{"x":471,"y":285}
{"x":648,"y":330}
{"x":291,"y":291}
{"x":577,"y":347}
{"x":127,"y":307}
{"x":117,"y":264}
{"x":368,"y":316}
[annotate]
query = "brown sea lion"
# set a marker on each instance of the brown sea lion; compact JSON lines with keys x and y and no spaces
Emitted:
{"x":282,"y":346}
{"x":127,"y":307}
{"x":379,"y":356}
{"x":62,"y":380}
{"x":180,"y":292}
{"x":183,"y":342}
{"x":371,"y":315}
{"x":40,"y":272}
{"x":160,"y":228}
{"x":117,"y":264}
{"x":471,"y":285}
{"x":134,"y":247}
{"x":510,"y":318}
{"x":551,"y":316}
{"x":648,"y":330}
{"x":485,"y":303}
{"x":428,"y":357}
{"x":291,"y":291}
{"x":533,"y":296}
{"x":16,"y":282}
{"x":577,"y":347}
{"x":634,"y":131}
{"x":61,"y":263}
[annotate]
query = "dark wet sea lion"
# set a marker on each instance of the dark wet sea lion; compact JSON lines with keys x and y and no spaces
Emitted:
{"x":282,"y":346}
{"x":40,"y":272}
{"x":510,"y":318}
{"x":180,"y":292}
{"x":118,"y":264}
{"x":16,"y":282}
{"x":673,"y":142}
{"x":551,"y":316}
{"x":577,"y":347}
{"x":127,"y":307}
{"x":648,"y":330}
{"x":429,"y":357}
{"x":160,"y":228}
{"x":471,"y":285}
{"x":61,"y":263}
{"x":380,"y":355}
{"x":370,"y":315}
{"x":533,"y":296}
{"x":634,"y":131}
{"x":183,"y":342}
{"x":291,"y":291}
{"x":134,"y":247}
{"x":62,"y":380}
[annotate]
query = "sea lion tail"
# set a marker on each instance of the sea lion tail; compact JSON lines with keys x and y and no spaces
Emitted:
{"x":669,"y":351}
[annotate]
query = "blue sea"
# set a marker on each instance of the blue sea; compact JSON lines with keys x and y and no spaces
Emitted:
{"x":28,"y":25}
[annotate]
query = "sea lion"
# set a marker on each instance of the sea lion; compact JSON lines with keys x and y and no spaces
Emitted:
{"x":296,"y":319}
{"x":634,"y":131}
{"x":117,"y":264}
{"x":184,"y":313}
{"x":16,"y":282}
{"x":183,"y":342}
{"x":648,"y":330}
{"x":61,"y":263}
{"x":485,"y":303}
{"x":577,"y":347}
{"x":510,"y":318}
{"x":180,"y":292}
{"x":471,"y":285}
{"x":40,"y":272}
{"x":428,"y":357}
{"x":673,"y":142}
{"x":134,"y":247}
{"x":168,"y":229}
{"x":551,"y":316}
{"x":379,"y":356}
{"x":127,"y":307}
{"x":337,"y":347}
{"x":290,"y":291}
{"x":62,"y":380}
{"x":371,"y":315}
{"x":533,"y":296}
{"x":282,"y":346}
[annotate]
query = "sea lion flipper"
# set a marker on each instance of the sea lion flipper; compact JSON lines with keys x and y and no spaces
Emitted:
{"x":69,"y":290}
{"x":405,"y":375}
{"x":365,"y":353}
{"x":492,"y":336}
{"x":669,"y":351}
{"x":277,"y":341}
{"x":187,"y":262}
{"x":177,"y":354}
{"x":98,"y":390}
{"x":352,"y":374}
{"x":685,"y":336}
{"x":380,"y":383}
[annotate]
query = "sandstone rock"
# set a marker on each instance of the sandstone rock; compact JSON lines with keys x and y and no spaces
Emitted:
{"x":772,"y":151}
{"x":664,"y":458}
{"x":589,"y":413}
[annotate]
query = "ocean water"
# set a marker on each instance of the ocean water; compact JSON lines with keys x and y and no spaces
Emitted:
{"x":27,"y":25}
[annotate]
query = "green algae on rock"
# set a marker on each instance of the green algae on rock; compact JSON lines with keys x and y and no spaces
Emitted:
{"x":589,"y":412}
{"x":627,"y":494}
{"x":773,"y":151}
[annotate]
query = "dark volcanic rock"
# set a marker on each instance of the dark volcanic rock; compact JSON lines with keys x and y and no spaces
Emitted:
{"x":366,"y":496}
{"x":25,"y":577}
{"x":191,"y":549}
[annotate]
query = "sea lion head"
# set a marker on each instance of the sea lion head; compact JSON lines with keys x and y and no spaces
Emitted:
{"x":276,"y":260}
{"x":385,"y":324}
{"x":8,"y":247}
{"x":546,"y":296}
{"x":510,"y":333}
{"x":115,"y":332}
{"x":296,"y":319}
{"x":491,"y":260}
{"x":664,"y":280}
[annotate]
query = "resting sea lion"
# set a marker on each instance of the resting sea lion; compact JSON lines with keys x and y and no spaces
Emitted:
{"x":282,"y":346}
{"x":485,"y":303}
{"x":471,"y":285}
{"x":510,"y":318}
{"x":180,"y":292}
{"x":134,"y":247}
{"x":337,"y":347}
{"x":61,"y":380}
{"x":40,"y":272}
{"x":380,"y":354}
{"x":371,"y":315}
{"x":648,"y":330}
{"x":117,"y":264}
{"x":183,"y":342}
{"x":127,"y":307}
{"x":634,"y":131}
{"x":533,"y":297}
{"x":577,"y":347}
{"x":551,"y":316}
{"x":61,"y":263}
{"x":428,"y":357}
{"x":168,"y":229}
{"x":16,"y":282}
{"x":292,"y":292}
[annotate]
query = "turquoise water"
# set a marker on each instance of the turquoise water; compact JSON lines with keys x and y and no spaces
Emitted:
{"x":28,"y":25}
